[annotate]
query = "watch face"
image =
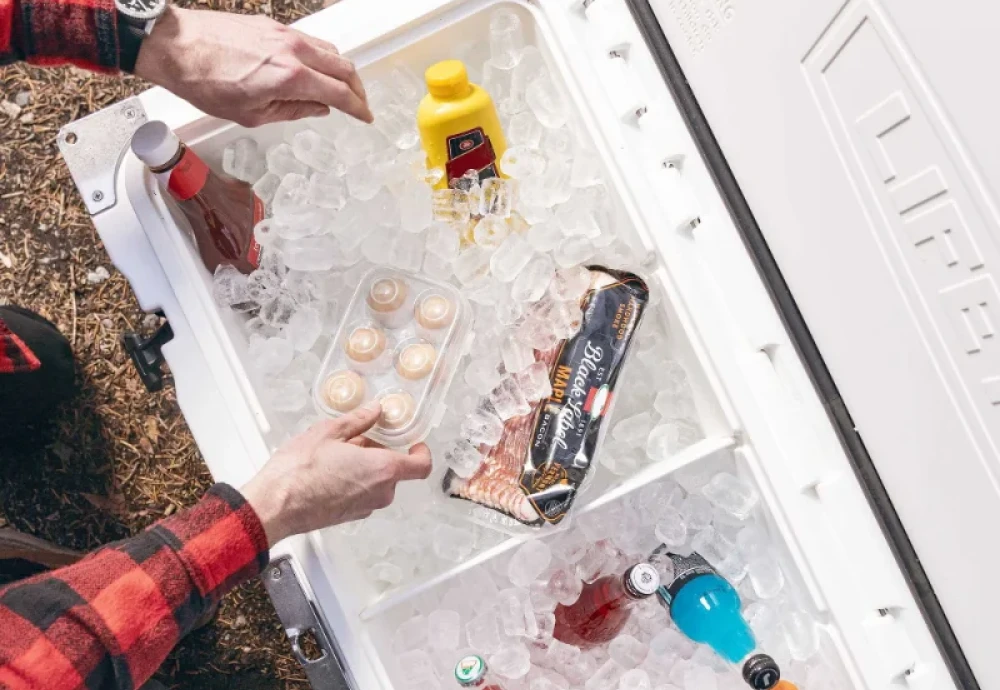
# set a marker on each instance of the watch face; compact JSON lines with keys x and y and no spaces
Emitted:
{"x":141,"y":9}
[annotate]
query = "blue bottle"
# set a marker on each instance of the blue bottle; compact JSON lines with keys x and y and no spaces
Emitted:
{"x":706,"y":608}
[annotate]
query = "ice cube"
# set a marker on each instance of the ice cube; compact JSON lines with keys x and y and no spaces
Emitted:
{"x":286,"y":395}
{"x":586,"y":170}
{"x":561,"y":655}
{"x":801,"y":634}
{"x":627,"y":651}
{"x":363,"y":182}
{"x":592,"y":565}
{"x":570,"y":284}
{"x":510,"y":258}
{"x":671,"y":437}
{"x":472,"y":263}
{"x":545,"y":236}
{"x":721,"y":553}
{"x":490,"y":231}
{"x":697,"y":512}
{"x":506,"y":38}
{"x":398,"y":125}
{"x":266,"y":186}
{"x":312,"y":253}
{"x":451,"y":544}
{"x":463,"y":458}
{"x":497,"y":197}
{"x":606,"y":677}
{"x":355,"y":142}
{"x":766,"y":576}
{"x":303,"y":368}
{"x":522,"y":162}
{"x":290,"y":198}
{"x":500,"y":82}
{"x":546,"y":102}
{"x":511,"y":661}
{"x":483,"y":633}
{"x":242,"y":160}
{"x":671,"y":529}
{"x":508,"y":399}
{"x":528,"y":562}
{"x":483,"y":290}
{"x":516,"y":355}
{"x":444,"y":629}
{"x":442,"y":241}
{"x":482,"y":427}
{"x":270,"y":355}
{"x":731,"y":494}
{"x":451,"y":206}
{"x":326,"y":190}
{"x":537,"y":334}
{"x":534,"y":279}
{"x":482,"y":375}
{"x":281,"y":161}
{"x":563,"y":318}
{"x":573,"y":250}
{"x":416,"y":669}
{"x":279,"y":310}
{"x":470,"y":184}
{"x":534,"y":382}
{"x":229,"y":287}
{"x":635,"y":679}
{"x":669,"y":644}
{"x":415,"y":207}
{"x":633,"y":430}
{"x":262,"y":286}
{"x":547,"y":683}
{"x":304,"y":328}
{"x":699,"y":678}
{"x":317,"y":152}
{"x":524,"y":130}
{"x":508,"y":310}
{"x":385,"y":573}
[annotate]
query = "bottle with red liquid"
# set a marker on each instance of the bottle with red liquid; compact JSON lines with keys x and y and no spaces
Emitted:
{"x":604,"y":607}
{"x":471,"y":672}
{"x":222,"y":211}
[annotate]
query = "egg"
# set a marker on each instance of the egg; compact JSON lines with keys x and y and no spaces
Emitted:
{"x":416,"y":360}
{"x":435,"y":312}
{"x":398,"y":409}
{"x":365,"y":343}
{"x":387,"y":295}
{"x":343,"y":390}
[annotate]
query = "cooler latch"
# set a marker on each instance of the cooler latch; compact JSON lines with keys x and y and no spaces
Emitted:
{"x":147,"y":355}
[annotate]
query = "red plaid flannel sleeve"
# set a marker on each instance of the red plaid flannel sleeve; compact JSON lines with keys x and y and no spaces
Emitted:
{"x":15,"y":356}
{"x":110,"y":620}
{"x":56,"y":32}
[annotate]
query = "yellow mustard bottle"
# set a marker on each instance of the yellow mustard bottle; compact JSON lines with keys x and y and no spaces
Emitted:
{"x":458,"y":123}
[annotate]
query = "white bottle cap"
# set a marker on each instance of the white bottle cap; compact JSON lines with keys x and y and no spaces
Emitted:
{"x":155,"y":144}
{"x":642,"y":579}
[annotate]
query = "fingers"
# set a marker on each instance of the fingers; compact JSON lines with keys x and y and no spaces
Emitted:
{"x":283,"y":111}
{"x":308,"y":84}
{"x":324,"y":58}
{"x":413,"y":465}
{"x":351,"y":425}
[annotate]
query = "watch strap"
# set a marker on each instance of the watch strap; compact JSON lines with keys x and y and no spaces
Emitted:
{"x":130,"y":38}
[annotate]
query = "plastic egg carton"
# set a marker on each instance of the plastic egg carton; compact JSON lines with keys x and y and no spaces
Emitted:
{"x":400,"y":342}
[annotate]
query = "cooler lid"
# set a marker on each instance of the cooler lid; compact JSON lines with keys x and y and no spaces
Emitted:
{"x":858,"y":143}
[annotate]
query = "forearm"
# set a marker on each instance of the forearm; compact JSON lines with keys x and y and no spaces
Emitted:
{"x":110,"y":620}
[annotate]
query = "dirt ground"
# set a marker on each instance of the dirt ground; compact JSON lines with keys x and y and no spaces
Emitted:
{"x":119,"y":457}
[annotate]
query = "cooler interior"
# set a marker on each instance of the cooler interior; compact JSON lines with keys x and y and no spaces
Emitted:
{"x":426,"y":554}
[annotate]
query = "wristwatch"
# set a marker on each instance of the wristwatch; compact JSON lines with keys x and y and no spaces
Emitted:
{"x":135,"y":21}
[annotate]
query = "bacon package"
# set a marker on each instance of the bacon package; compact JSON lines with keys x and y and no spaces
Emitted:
{"x":534,"y":473}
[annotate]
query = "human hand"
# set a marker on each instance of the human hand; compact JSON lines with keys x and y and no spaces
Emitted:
{"x":249,"y":69}
{"x":329,"y":475}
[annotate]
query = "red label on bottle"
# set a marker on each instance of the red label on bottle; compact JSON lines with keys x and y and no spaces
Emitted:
{"x":187,"y":178}
{"x":470,"y":150}
{"x":253,"y":250}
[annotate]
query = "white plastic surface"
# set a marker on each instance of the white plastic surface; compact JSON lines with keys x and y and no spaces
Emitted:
{"x":749,"y":383}
{"x":866,"y":145}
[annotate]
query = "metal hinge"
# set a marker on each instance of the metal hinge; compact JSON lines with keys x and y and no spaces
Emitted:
{"x":312,"y":643}
{"x":93,"y":146}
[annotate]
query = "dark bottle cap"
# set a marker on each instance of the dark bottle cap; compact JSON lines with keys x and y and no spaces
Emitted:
{"x":761,"y":672}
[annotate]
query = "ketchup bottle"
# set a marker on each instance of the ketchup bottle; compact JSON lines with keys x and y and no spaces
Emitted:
{"x":604,"y":607}
{"x":222,"y":211}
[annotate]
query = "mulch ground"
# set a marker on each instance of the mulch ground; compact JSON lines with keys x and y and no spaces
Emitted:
{"x":118,"y":458}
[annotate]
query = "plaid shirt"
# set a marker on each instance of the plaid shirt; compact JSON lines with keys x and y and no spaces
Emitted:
{"x":56,"y":32}
{"x":110,"y":620}
{"x":15,"y":356}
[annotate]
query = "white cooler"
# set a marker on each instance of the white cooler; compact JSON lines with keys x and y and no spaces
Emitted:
{"x":813,"y":183}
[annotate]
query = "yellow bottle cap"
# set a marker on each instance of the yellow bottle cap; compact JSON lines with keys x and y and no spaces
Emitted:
{"x":447,"y":79}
